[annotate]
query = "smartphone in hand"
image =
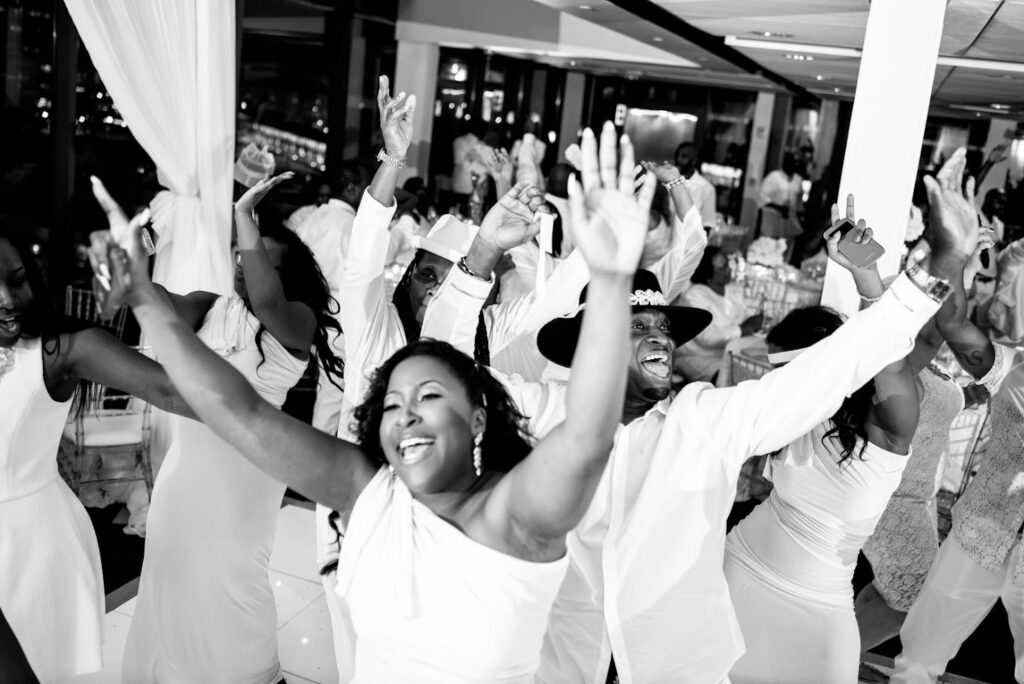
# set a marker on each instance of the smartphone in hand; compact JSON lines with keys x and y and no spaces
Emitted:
{"x":861,"y":254}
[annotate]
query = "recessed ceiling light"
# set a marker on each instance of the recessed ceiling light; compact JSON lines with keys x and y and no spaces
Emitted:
{"x":586,"y":8}
{"x":810,"y":58}
{"x":572,"y":62}
{"x":1000,"y":106}
{"x":819,"y":77}
{"x":835,"y":90}
{"x":657,"y":39}
{"x":771,"y":34}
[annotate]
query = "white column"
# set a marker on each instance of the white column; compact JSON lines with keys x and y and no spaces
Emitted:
{"x":756,"y":158}
{"x":416,"y":67}
{"x":572,"y":111}
{"x":884,"y":146}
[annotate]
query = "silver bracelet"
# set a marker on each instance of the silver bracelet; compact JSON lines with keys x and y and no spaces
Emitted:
{"x":674,"y":182}
{"x":872,"y":300}
{"x":388,"y":160}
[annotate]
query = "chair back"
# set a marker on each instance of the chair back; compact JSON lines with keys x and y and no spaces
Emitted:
{"x":111,"y":425}
{"x":80,"y":304}
{"x":745,"y":368}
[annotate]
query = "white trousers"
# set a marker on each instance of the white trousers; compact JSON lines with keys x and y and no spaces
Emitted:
{"x":956,"y":597}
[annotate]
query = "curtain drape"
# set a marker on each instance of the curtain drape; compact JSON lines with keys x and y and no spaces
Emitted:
{"x":169,"y":66}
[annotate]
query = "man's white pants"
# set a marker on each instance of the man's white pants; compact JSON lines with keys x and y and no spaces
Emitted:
{"x":956,"y":597}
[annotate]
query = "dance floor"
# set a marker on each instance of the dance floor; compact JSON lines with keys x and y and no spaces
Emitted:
{"x":304,"y":632}
{"x":304,"y":629}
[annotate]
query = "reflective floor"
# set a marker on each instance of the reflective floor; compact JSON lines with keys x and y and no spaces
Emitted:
{"x":304,"y":636}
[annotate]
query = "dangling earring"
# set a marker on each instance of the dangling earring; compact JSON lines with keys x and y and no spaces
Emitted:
{"x":478,"y":454}
{"x":391,"y":472}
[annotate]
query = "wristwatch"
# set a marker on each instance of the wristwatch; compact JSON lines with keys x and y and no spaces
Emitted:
{"x":936,"y":288}
{"x":396,"y":162}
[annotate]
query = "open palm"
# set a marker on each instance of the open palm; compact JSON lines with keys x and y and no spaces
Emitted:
{"x":509,"y":223}
{"x":609,"y":223}
{"x":952,"y":219}
{"x":395,"y":118}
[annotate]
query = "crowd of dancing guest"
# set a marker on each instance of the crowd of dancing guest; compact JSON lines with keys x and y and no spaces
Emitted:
{"x":510,"y":487}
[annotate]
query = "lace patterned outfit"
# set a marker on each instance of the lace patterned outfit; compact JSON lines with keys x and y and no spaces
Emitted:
{"x":982,"y":560}
{"x":906,"y":539}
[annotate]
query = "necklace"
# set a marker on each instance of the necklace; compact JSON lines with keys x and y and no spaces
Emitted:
{"x":6,"y":360}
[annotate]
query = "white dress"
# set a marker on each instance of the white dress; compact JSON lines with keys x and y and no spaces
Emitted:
{"x":790,"y":563}
{"x":51,"y":587}
{"x":430,"y":605}
{"x":205,"y":609}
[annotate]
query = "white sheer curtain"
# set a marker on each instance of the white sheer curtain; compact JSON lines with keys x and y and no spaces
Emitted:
{"x":170,"y":68}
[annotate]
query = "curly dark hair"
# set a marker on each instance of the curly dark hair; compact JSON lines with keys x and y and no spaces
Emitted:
{"x":804,"y":327}
{"x":506,"y":441}
{"x":42,"y":319}
{"x":481,"y":351}
{"x":303,"y":281}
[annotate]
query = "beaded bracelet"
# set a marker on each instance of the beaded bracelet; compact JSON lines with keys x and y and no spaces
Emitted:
{"x":674,"y":182}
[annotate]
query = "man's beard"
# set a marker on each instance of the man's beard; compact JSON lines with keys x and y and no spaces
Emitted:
{"x":656,"y":393}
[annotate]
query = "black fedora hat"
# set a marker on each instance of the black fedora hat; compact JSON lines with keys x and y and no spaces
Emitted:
{"x":557,"y":339}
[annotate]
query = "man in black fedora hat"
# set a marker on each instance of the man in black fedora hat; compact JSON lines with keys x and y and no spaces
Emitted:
{"x":645,"y":597}
{"x":657,"y":330}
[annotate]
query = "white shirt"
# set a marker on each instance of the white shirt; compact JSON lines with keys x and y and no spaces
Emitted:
{"x":299,"y":216}
{"x":527,"y":154}
{"x":512,"y":326}
{"x":469,"y":152}
{"x":702,"y":192}
{"x":327,"y":232}
{"x":373,"y":329}
{"x":645,"y":580}
{"x":701,"y":357}
{"x":1006,"y":310}
{"x":778,"y":188}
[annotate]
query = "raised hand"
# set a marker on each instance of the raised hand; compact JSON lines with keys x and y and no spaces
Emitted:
{"x":986,"y":240}
{"x":952,"y":219}
{"x":862,"y":233}
{"x":247,"y":202}
{"x":121,"y":231}
{"x":509,"y":223}
{"x":608,"y":222}
{"x":500,"y":167}
{"x":665,"y":172}
{"x":395,"y":119}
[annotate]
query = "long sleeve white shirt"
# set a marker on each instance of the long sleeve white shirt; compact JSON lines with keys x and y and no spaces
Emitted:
{"x":645,"y":580}
{"x":1006,"y":310}
{"x":327,"y":232}
{"x":704,"y":197}
{"x":512,"y":326}
{"x":373,"y":329}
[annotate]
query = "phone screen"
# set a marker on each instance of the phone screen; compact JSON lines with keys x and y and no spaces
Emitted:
{"x":843,"y":226}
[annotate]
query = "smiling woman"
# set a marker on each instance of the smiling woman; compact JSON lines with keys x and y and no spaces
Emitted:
{"x":51,"y":587}
{"x":453,"y":555}
{"x":430,"y":383}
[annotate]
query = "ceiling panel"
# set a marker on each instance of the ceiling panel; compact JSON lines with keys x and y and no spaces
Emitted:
{"x":981,"y":29}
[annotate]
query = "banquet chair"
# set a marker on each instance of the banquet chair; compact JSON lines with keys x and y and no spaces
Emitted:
{"x":80,"y":304}
{"x":745,"y":368}
{"x":111,"y":430}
